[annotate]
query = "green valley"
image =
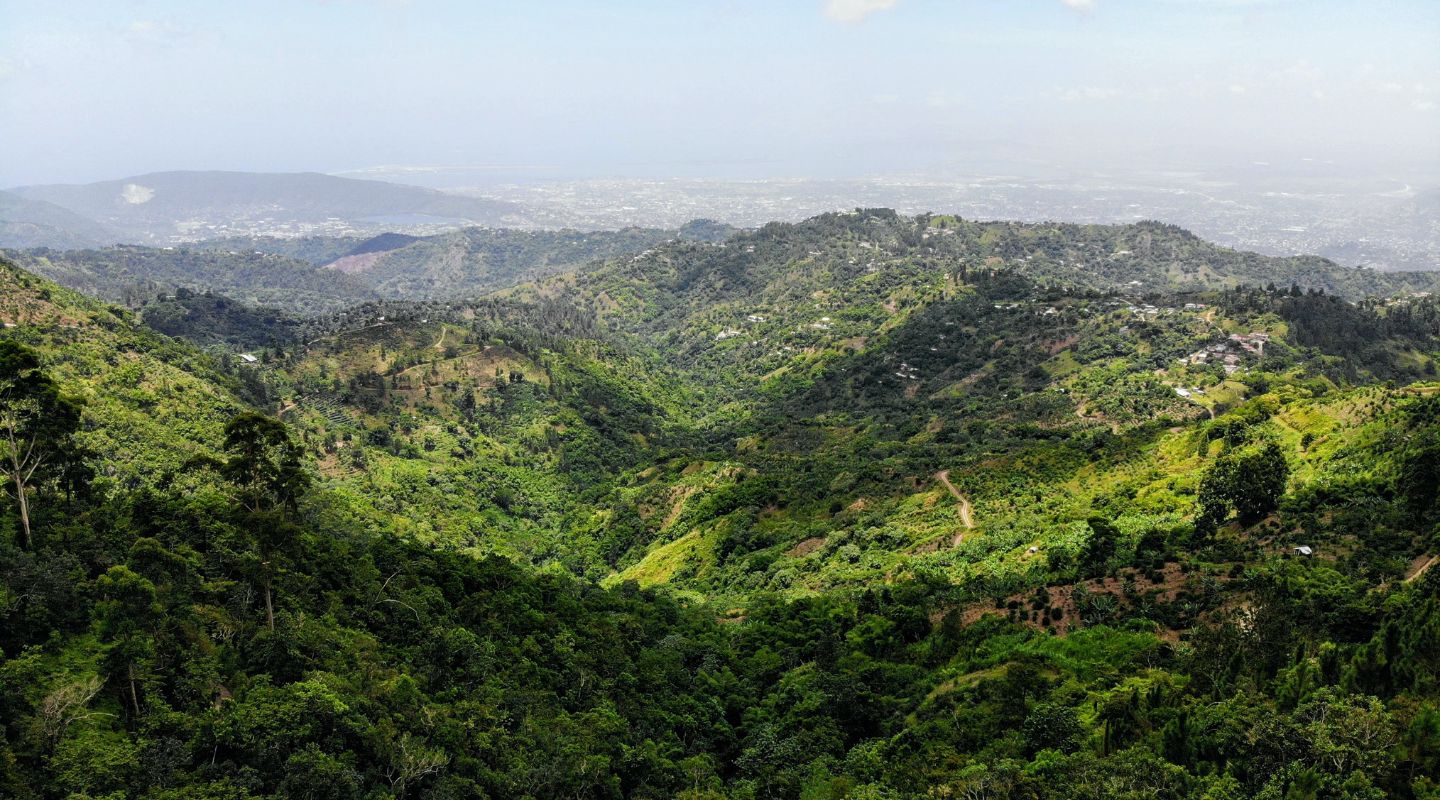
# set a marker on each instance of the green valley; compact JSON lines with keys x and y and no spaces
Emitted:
{"x":867,"y":506}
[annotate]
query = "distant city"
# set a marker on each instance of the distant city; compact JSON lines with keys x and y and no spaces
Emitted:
{"x":1378,"y":224}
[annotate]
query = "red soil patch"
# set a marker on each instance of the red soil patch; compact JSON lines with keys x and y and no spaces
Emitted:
{"x":1060,"y":344}
{"x":806,"y":547}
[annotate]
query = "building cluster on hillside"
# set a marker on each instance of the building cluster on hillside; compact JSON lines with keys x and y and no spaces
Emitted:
{"x":1216,"y":354}
{"x":1253,"y":342}
{"x":1147,"y":310}
{"x":1229,"y":352}
{"x":1405,"y":299}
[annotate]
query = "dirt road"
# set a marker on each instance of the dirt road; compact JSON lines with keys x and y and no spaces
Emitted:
{"x":965,"y":514}
{"x":1420,"y":570}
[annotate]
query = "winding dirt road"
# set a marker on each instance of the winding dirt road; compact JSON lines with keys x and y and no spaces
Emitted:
{"x":965,"y":514}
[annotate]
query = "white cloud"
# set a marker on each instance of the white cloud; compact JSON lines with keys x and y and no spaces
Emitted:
{"x":1089,"y":93}
{"x":157,"y":33}
{"x":1079,"y":5}
{"x":850,"y":11}
{"x":1423,"y":105}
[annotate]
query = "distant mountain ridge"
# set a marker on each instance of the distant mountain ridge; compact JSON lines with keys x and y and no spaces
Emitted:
{"x":26,"y":222}
{"x":168,"y":207}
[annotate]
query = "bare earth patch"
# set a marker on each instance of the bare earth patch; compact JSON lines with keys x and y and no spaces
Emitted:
{"x":806,"y":547}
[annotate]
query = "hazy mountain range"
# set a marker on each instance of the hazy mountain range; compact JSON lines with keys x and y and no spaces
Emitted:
{"x":173,"y":207}
{"x":1379,"y":223}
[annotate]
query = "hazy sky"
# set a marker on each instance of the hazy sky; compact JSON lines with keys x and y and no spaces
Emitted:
{"x":744,"y":88}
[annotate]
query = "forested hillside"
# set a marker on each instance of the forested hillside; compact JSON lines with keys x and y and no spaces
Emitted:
{"x":319,"y":275}
{"x":877,"y":250}
{"x":864,"y":507}
{"x":703,"y":279}
{"x":473,"y":261}
{"x":134,"y":275}
{"x":208,"y":319}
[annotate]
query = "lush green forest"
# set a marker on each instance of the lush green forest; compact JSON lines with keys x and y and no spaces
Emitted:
{"x":865,"y":507}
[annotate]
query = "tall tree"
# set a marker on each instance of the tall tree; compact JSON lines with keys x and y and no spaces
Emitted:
{"x":264,"y":464}
{"x":37,"y":427}
{"x":127,"y":613}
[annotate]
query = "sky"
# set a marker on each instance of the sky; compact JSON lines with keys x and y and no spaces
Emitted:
{"x":554,"y":89}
